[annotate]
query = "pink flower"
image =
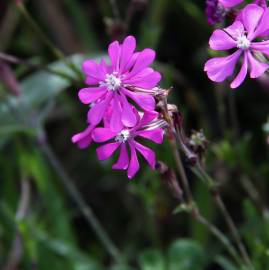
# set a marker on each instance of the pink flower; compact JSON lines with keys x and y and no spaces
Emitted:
{"x":230,"y":3}
{"x":233,"y":3}
{"x":240,"y":35}
{"x":147,"y":127}
{"x":84,"y":138}
{"x":110,"y":84}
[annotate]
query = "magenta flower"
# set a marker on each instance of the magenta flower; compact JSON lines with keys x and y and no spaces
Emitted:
{"x":84,"y":138}
{"x":240,"y":36}
{"x":147,"y":127}
{"x":233,"y":3}
{"x":111,"y":84}
{"x":230,"y":3}
{"x":214,"y":11}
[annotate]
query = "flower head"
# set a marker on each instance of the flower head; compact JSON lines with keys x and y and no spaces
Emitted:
{"x":110,"y":84}
{"x":240,"y":36}
{"x":111,"y":118}
{"x":147,"y":127}
{"x":214,"y":11}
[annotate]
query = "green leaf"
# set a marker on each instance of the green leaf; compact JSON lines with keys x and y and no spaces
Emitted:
{"x":151,"y":259}
{"x":225,"y":263}
{"x":37,"y":90}
{"x":185,"y":254}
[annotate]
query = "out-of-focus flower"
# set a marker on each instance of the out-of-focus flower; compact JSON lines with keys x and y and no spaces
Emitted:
{"x":217,"y":10}
{"x":214,"y":11}
{"x":240,"y":36}
{"x":147,"y":127}
{"x":230,"y":3}
{"x":109,"y":84}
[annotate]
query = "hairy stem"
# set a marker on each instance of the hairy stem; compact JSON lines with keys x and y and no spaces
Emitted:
{"x":226,"y":215}
{"x":174,"y":149}
{"x":15,"y":60}
{"x":218,"y":234}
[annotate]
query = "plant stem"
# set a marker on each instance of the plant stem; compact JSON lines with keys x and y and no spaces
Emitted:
{"x":218,"y":234}
{"x":45,"y":39}
{"x":226,"y":215}
{"x":174,"y":149}
{"x":15,"y":60}
{"x":74,"y":193}
{"x":174,"y":137}
{"x":115,"y":9}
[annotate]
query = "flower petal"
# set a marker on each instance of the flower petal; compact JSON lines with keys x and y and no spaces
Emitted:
{"x":148,"y":116}
{"x":89,"y":95}
{"x":144,"y":59}
{"x":103,"y":134}
{"x":145,"y":101}
{"x":235,"y":30}
{"x":262,"y":47}
{"x":251,"y":16}
{"x":242,"y":73}
{"x":131,"y":62}
{"x":219,"y":68}
{"x":84,"y":138}
{"x":106,"y":151}
{"x":147,"y":78}
{"x":147,"y":153}
{"x":115,"y":121}
{"x":128,"y":116}
{"x":114,"y":54}
{"x":123,"y":160}
{"x":127,"y":50}
{"x":134,"y":164}
{"x":263,"y":27}
{"x":92,"y":69}
{"x":221,"y":41}
{"x":257,"y":68}
{"x":97,"y":112}
{"x":155,"y":135}
{"x":230,"y":3}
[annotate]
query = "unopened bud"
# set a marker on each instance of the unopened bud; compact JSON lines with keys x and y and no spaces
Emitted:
{"x":169,"y":178}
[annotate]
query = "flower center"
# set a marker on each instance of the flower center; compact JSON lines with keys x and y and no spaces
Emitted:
{"x":243,"y":42}
{"x":112,"y":82}
{"x":123,"y":136}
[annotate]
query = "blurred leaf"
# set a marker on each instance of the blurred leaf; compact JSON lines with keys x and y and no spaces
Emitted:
{"x":151,"y":259}
{"x":235,"y":155}
{"x":153,"y":25}
{"x":37,"y":89}
{"x":121,"y":267}
{"x":225,"y":263}
{"x":65,"y":249}
{"x":185,"y":254}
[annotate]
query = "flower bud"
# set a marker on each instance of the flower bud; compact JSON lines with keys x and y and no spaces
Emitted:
{"x":198,"y":142}
{"x":169,"y":179}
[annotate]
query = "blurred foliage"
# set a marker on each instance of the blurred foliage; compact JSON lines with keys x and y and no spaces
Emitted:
{"x":44,"y":228}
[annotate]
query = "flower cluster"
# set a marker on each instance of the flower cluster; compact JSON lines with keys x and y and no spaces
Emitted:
{"x":122,"y":105}
{"x":247,"y":36}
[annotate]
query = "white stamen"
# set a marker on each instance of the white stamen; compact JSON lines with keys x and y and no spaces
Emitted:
{"x":243,"y":42}
{"x":112,"y":82}
{"x":123,"y":136}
